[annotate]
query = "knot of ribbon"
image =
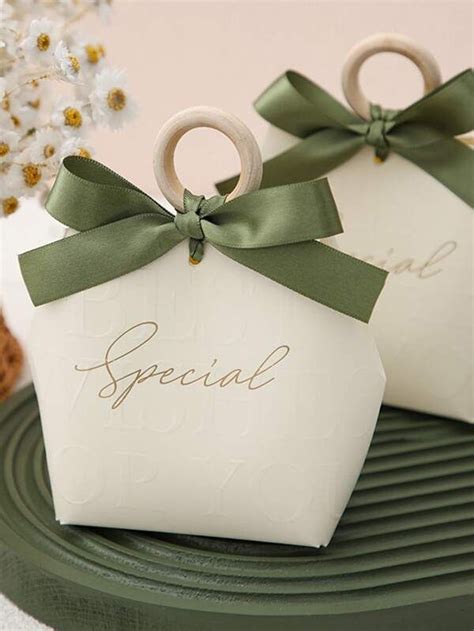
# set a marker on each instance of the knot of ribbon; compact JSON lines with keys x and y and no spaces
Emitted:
{"x":423,"y":133}
{"x":272,"y":231}
{"x":188,"y":224}
{"x":376,"y":132}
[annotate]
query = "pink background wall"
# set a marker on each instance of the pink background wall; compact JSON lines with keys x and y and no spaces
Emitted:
{"x":179,"y":54}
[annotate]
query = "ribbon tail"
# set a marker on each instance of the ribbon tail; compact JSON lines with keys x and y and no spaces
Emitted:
{"x":300,"y":107}
{"x":311,"y":158}
{"x":86,"y":194}
{"x":448,"y":160}
{"x":319,"y":272}
{"x":87,"y":259}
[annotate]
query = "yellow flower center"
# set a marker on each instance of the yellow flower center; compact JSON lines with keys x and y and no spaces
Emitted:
{"x":4,"y":149}
{"x":116,"y":99}
{"x":75,"y":63}
{"x":94,"y":53}
{"x":84,"y":153}
{"x":15,"y":120}
{"x":43,"y":42}
{"x":49,"y":151}
{"x":34,"y":104}
{"x":9,"y":204}
{"x":31,"y":174}
{"x":72,"y":117}
{"x":5,"y":103}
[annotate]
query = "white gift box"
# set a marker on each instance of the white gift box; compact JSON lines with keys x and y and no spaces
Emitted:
{"x":404,"y":220}
{"x":202,"y":398}
{"x":400,"y":218}
{"x":24,"y":230}
{"x":265,"y":444}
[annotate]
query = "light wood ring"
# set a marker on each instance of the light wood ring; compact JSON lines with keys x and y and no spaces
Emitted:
{"x":203,"y":116}
{"x":380,"y":43}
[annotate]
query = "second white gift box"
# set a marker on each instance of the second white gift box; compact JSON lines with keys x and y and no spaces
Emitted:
{"x":203,"y":398}
{"x":406,"y":209}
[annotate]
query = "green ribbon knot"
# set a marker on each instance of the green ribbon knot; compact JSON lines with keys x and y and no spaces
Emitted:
{"x":121,"y":229}
{"x":330,"y":134}
{"x":376,"y":131}
{"x":188,"y":224}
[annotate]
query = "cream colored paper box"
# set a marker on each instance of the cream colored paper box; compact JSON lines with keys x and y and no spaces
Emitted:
{"x":204,"y":399}
{"x":397,"y":216}
{"x":273,"y":457}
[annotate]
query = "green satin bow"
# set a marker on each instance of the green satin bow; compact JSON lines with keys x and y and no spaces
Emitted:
{"x":271,"y":231}
{"x":422,"y":133}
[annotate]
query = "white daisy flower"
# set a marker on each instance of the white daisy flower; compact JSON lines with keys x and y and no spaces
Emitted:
{"x":95,"y":54}
{"x":91,"y":54}
{"x":46,"y":146}
{"x":70,"y":116}
{"x":11,"y":189}
{"x":41,"y":41}
{"x":31,"y":96}
{"x":29,"y":177}
{"x":75,"y":146}
{"x":23,"y":118}
{"x":91,"y":57}
{"x":66,"y":64}
{"x":9,"y":205}
{"x":25,"y":91}
{"x":110,"y":101}
{"x":8,"y":144}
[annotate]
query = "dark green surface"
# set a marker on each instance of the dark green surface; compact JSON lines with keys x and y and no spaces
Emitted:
{"x":402,"y":556}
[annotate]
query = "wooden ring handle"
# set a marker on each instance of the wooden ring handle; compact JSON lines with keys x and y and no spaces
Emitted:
{"x":203,"y":116}
{"x":380,"y":43}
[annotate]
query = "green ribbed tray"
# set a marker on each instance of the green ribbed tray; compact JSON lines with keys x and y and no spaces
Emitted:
{"x":402,"y":557}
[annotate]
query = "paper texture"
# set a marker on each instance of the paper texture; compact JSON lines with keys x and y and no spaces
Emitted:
{"x":402,"y":219}
{"x":206,"y":400}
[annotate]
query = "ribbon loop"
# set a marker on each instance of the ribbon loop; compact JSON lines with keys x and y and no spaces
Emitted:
{"x":424,"y":133}
{"x":272,"y":231}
